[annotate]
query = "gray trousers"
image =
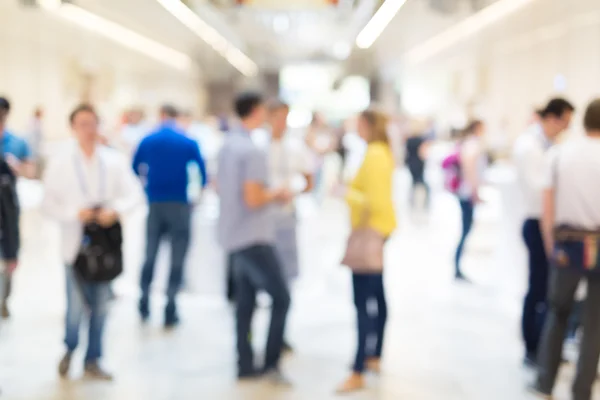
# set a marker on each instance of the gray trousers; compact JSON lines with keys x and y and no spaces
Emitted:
{"x":561,"y":298}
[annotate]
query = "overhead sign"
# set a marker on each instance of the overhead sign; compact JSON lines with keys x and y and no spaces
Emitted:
{"x":287,"y":3}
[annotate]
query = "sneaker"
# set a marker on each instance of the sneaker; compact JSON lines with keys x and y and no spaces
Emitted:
{"x":275,"y":377}
{"x":248,"y":376}
{"x":461,"y":278}
{"x":530,"y":361}
{"x":354,"y":383}
{"x":171,"y":321}
{"x":5,"y":311}
{"x":65,"y":365}
{"x":287,"y":349}
{"x":95,"y":372}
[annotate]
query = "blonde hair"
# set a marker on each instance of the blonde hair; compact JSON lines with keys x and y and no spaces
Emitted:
{"x":378,"y":122}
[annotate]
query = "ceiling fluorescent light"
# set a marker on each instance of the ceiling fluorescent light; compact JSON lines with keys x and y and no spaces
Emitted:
{"x":210,"y":35}
{"x":462,"y":30}
{"x":118,"y":34}
{"x":378,"y":23}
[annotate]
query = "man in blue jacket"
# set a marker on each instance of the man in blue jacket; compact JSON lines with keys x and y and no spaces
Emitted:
{"x":162,"y":161}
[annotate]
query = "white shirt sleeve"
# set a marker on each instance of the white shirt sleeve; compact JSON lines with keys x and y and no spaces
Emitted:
{"x":532,"y":165}
{"x":129,"y":192}
{"x":55,"y":193}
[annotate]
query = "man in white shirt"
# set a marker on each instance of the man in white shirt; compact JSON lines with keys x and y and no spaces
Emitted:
{"x":570,"y":199}
{"x":290,"y":167}
{"x":87,"y":183}
{"x":529,"y":154}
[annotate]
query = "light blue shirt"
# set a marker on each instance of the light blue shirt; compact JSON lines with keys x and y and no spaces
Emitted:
{"x":241,"y":161}
{"x":16,"y":146}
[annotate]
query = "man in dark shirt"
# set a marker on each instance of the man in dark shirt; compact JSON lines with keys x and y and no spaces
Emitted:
{"x":416,"y":147}
{"x":162,"y":161}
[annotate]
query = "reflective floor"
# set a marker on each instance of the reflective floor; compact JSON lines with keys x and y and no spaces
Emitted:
{"x":444,"y":340}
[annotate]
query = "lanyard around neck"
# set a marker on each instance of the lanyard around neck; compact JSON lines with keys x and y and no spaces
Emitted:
{"x":83,"y":182}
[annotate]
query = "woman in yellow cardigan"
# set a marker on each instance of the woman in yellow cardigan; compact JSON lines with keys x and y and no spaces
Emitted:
{"x":370,"y":194}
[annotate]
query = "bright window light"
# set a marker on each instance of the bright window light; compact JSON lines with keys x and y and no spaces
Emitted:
{"x":462,"y":30}
{"x":210,"y":35}
{"x":378,"y":23}
{"x":118,"y":34}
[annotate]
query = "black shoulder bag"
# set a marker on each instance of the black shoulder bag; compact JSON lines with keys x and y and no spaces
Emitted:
{"x":100,"y":256}
{"x":575,"y":248}
{"x":9,"y":210}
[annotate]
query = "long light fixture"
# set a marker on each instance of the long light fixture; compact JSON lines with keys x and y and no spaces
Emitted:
{"x":461,"y":31}
{"x":118,"y":34}
{"x":210,"y":35}
{"x":378,"y":23}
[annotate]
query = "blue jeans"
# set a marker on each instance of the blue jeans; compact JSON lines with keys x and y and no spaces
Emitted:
{"x":170,"y":220}
{"x":86,"y":298}
{"x":371,"y":327}
{"x":467,"y":210}
{"x":257,"y":268}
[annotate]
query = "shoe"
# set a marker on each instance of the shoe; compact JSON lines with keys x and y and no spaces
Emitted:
{"x":144,"y":310}
{"x":354,"y":383}
{"x":171,"y":322}
{"x":5,"y":311}
{"x":374,"y":365}
{"x":65,"y":365}
{"x":530,"y":361}
{"x":287,"y":349}
{"x":248,"y":376}
{"x":95,"y":372}
{"x":461,"y":278}
{"x":276,"y":378}
{"x":533,"y":389}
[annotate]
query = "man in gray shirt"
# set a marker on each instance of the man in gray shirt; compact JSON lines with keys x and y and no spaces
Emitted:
{"x":246,"y":232}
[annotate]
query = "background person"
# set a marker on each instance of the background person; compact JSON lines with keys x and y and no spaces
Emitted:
{"x":529,"y":154}
{"x":16,"y":162}
{"x":88,"y":183}
{"x":472,"y":165}
{"x":247,"y":233}
{"x":162,"y":160}
{"x":570,"y":203}
{"x":371,"y":191}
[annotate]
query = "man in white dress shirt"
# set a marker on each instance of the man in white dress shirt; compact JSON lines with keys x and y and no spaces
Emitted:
{"x":87,"y":183}
{"x":530,"y":151}
{"x":291,"y":168}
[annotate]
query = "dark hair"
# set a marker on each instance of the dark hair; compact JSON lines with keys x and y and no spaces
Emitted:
{"x":4,"y":105}
{"x":378,"y":122}
{"x":169,"y":110}
{"x":246,"y":103}
{"x":591,"y":121}
{"x":82,"y":108}
{"x":277,"y":105}
{"x":472,"y":127}
{"x":557,"y":108}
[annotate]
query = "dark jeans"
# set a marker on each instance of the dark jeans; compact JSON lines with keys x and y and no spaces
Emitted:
{"x":467,"y":211}
{"x":561,"y":297}
{"x":418,"y":180}
{"x":230,"y":278}
{"x":171,"y":220}
{"x":534,"y":307}
{"x":257,"y":268}
{"x":369,"y":288}
{"x":86,"y":298}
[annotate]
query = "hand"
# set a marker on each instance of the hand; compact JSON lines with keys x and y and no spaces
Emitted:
{"x":11,"y":265}
{"x":106,"y":217}
{"x":476,"y":199}
{"x":87,"y":215}
{"x":284,"y":195}
{"x":14,"y":163}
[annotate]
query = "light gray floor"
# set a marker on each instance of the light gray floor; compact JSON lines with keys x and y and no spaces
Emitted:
{"x":444,"y":340}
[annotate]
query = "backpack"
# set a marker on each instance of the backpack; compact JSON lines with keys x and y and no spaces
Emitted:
{"x":100,"y":256}
{"x":452,"y":172}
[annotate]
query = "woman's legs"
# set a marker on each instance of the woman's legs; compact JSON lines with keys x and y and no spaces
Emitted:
{"x":467,"y":209}
{"x":362,"y":293}
{"x":379,"y":292}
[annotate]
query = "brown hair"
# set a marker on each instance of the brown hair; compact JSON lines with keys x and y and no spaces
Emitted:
{"x":591,"y":121}
{"x":472,"y":127}
{"x":80,"y":109}
{"x":378,"y":122}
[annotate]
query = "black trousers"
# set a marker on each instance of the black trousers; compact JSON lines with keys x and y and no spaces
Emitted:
{"x":535,"y":304}
{"x":257,"y":268}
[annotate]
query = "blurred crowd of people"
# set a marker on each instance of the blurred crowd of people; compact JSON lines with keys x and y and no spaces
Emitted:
{"x":89,"y":188}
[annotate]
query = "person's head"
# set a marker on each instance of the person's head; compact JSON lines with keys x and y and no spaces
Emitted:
{"x":251,"y":110}
{"x":591,"y":120}
{"x":4,"y":111}
{"x":168,"y":112}
{"x":84,"y":123}
{"x":135,"y":116}
{"x":474,"y":128}
{"x":185,"y":119}
{"x":556,"y":117}
{"x":38,"y":113}
{"x":278,"y":114}
{"x":372,"y":126}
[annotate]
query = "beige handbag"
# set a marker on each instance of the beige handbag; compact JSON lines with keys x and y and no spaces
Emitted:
{"x":364,"y":251}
